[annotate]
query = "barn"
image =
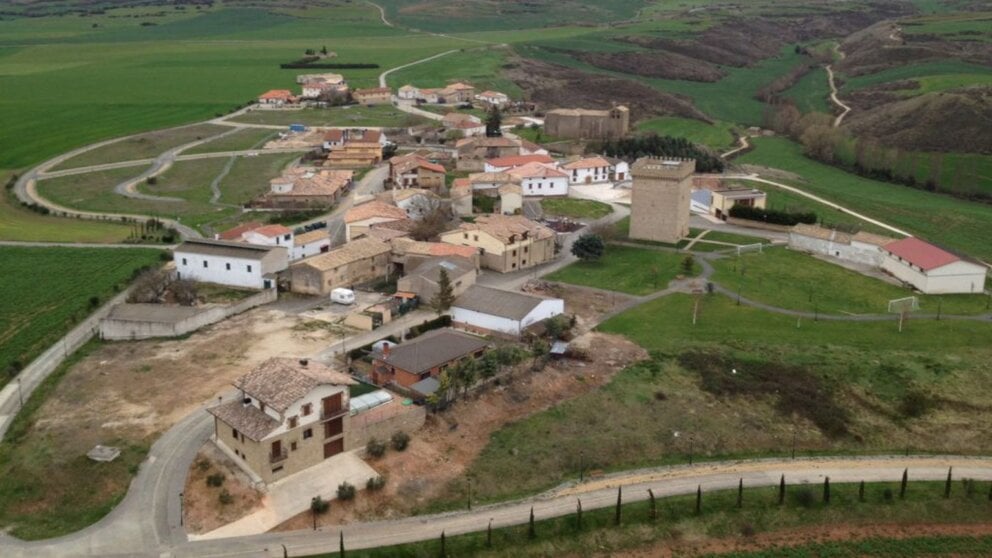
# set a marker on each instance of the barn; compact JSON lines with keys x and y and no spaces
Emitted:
{"x":931,"y":269}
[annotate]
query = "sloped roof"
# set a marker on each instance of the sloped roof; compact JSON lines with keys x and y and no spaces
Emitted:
{"x":922,"y":254}
{"x":353,"y":251}
{"x":312,"y":236}
{"x":506,"y":227}
{"x":816,"y":231}
{"x":246,"y":419}
{"x":496,"y":302}
{"x":372,"y":91}
{"x":537,"y":170}
{"x":432,"y":349}
{"x":276,"y":94}
{"x":236,"y":232}
{"x":373,"y":209}
{"x":587,"y":163}
{"x":519,"y":160}
{"x":403,"y":246}
{"x":280,"y":382}
{"x":225,"y":248}
{"x":871,"y":238}
{"x":493,"y":178}
{"x":272,"y":231}
{"x":454,"y":265}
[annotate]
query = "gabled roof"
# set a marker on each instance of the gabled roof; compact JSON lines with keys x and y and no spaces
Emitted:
{"x":411,"y":162}
{"x":246,"y":419}
{"x":276,"y":94}
{"x":280,"y":382}
{"x":432,"y":349}
{"x":495,"y":94}
{"x":273,"y":231}
{"x":496,"y":302}
{"x":493,"y":178}
{"x":459,"y":86}
{"x":404,"y":246}
{"x":505,"y":228}
{"x":315,"y":235}
{"x":225,"y":248}
{"x":587,"y":163}
{"x":537,"y":170}
{"x":922,"y":254}
{"x":519,"y":160}
{"x":372,"y":91}
{"x":236,"y":232}
{"x":373,"y":209}
{"x":356,"y":250}
{"x":455,"y":266}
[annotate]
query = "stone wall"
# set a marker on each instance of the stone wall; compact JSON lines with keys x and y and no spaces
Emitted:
{"x":381,"y":422}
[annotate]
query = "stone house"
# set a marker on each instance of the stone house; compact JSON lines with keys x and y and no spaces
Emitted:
{"x":424,"y":279}
{"x":359,"y":261}
{"x":588,"y":124}
{"x":359,"y":219}
{"x":508,"y":242}
{"x":373,"y":96}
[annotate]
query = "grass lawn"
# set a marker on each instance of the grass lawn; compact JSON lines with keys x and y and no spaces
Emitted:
{"x":933,"y":75}
{"x":717,"y":135}
{"x":34,"y":313}
{"x":249,"y":177}
{"x":535,"y":135}
{"x":636,"y":271}
{"x":576,"y":208}
{"x":144,"y":146}
{"x":386,"y":116}
{"x":812,"y":92}
{"x":677,"y":525}
{"x":798,"y":281}
{"x":956,"y":223}
{"x":249,"y":138}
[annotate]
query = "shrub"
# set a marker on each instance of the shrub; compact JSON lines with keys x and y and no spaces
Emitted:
{"x":804,"y":497}
{"x":914,"y":404}
{"x":375,"y":448}
{"x":202,"y":465}
{"x":747,"y":530}
{"x":215,"y":480}
{"x":346,"y":491}
{"x":319,"y":506}
{"x":400,"y":440}
{"x":375,"y":484}
{"x":887,"y":495}
{"x":225,"y":497}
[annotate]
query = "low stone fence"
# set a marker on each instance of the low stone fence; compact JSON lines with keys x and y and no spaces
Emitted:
{"x":130,"y":322}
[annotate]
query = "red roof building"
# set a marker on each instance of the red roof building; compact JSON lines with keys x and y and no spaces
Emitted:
{"x":921,"y":254}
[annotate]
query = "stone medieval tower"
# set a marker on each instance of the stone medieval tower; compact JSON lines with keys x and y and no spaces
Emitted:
{"x":660,"y":199}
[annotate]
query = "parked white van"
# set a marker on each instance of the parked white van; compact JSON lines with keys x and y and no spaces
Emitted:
{"x":343,"y":296}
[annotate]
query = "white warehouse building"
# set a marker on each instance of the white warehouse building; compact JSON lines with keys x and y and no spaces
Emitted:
{"x":487,"y":310}
{"x":932,"y":270}
{"x":235,"y":264}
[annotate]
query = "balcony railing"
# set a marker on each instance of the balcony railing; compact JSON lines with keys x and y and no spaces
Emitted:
{"x":277,"y":457}
{"x":331,"y":414}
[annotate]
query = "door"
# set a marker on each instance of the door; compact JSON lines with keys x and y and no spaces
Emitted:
{"x":333,"y":448}
{"x":331,"y":405}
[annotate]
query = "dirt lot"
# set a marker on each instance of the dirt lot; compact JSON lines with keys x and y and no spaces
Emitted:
{"x":136,"y":390}
{"x":313,"y":137}
{"x":441,"y":451}
{"x":203,"y":509}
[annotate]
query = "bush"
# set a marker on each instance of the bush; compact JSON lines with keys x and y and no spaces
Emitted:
{"x":437,"y":323}
{"x":804,"y":497}
{"x":772,"y":216}
{"x":375,"y":448}
{"x":319,"y":506}
{"x":202,"y":465}
{"x":914,"y":404}
{"x":215,"y":480}
{"x":887,"y":495}
{"x":400,"y":440}
{"x":225,"y":497}
{"x":375,"y":484}
{"x":346,"y":491}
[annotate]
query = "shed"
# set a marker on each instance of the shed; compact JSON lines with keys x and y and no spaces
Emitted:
{"x":485,"y":309}
{"x":426,"y":387}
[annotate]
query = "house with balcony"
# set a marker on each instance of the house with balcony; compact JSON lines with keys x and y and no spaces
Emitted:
{"x":290,"y":415}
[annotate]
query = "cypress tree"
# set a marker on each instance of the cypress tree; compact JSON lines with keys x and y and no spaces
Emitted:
{"x":740,"y":493}
{"x":341,"y":545}
{"x":578,"y":515}
{"x":781,"y":490}
{"x":826,"y":490}
{"x":902,"y":486}
{"x":653,"y":514}
{"x":947,"y":484}
{"x":444,"y":552}
{"x":616,"y":519}
{"x":531,"y":531}
{"x":861,"y":492}
{"x":489,"y":534}
{"x":699,"y":499}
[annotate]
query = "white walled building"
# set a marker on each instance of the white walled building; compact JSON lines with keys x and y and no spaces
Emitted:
{"x":538,"y":179}
{"x":310,"y":244}
{"x":503,"y":164}
{"x":485,"y":309}
{"x":590,"y":170}
{"x":862,"y":248}
{"x":235,"y":264}
{"x":270,"y":235}
{"x":932,"y":270}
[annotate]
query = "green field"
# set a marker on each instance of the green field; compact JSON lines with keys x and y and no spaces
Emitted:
{"x":144,"y":146}
{"x":938,"y":218}
{"x":790,"y":279}
{"x":933,"y":76}
{"x":475,"y":16}
{"x":717,"y":135}
{"x":812,"y":92}
{"x":35,"y":313}
{"x":248,"y":138}
{"x":636,"y":271}
{"x":386,"y":116}
{"x":480,"y":68}
{"x":576,"y":208}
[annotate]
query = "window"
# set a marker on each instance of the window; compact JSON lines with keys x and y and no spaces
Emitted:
{"x":308,"y":433}
{"x":286,"y":237}
{"x":234,"y":432}
{"x":184,"y":261}
{"x":526,"y":249}
{"x":292,"y":446}
{"x":293,"y":422}
{"x":476,"y":238}
{"x":227,"y":266}
{"x":307,"y":409}
{"x":249,"y":269}
{"x":514,"y":253}
{"x":466,"y":236}
{"x":204,"y":264}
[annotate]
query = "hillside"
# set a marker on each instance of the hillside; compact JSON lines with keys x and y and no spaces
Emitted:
{"x":483,"y":15}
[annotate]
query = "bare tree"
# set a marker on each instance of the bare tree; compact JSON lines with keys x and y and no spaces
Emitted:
{"x":185,"y":292}
{"x":150,"y":286}
{"x":431,"y":225}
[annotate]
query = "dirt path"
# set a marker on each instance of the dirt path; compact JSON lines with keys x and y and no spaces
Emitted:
{"x":833,"y":90}
{"x":742,"y":144}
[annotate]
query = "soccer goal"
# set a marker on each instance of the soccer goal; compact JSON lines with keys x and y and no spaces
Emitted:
{"x":749,"y":248}
{"x":903,"y":306}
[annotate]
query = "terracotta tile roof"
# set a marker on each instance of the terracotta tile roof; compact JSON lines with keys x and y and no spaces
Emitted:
{"x":493,"y":178}
{"x":322,"y":183}
{"x":372,"y":91}
{"x":410,"y":162}
{"x":471,"y":143}
{"x":488,"y":93}
{"x":433,"y":349}
{"x":404,"y":246}
{"x":246,"y":419}
{"x":373,"y":209}
{"x":334,"y":135}
{"x":505,"y":227}
{"x":587,"y":163}
{"x":455,"y":117}
{"x":519,"y":160}
{"x":315,"y":235}
{"x":272,"y":231}
{"x":537,"y":170}
{"x":236,"y":232}
{"x":385,"y":234}
{"x":530,"y":146}
{"x":283,"y":94}
{"x":922,"y":254}
{"x":280,"y":382}
{"x":510,"y":189}
{"x":356,"y":250}
{"x":407,"y":193}
{"x":460,"y":183}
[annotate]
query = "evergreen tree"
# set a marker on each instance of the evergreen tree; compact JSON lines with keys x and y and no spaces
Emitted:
{"x":740,"y":493}
{"x":493,"y":122}
{"x":588,"y":247}
{"x":445,"y":296}
{"x":902,"y":485}
{"x":619,"y":512}
{"x":826,"y":490}
{"x":531,"y":530}
{"x":699,"y":499}
{"x":781,"y":490}
{"x":947,"y":484}
{"x":861,"y":492}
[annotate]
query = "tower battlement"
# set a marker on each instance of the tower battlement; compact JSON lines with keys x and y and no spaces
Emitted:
{"x":663,"y":167}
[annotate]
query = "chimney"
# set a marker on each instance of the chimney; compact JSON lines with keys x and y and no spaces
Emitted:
{"x":304,"y":362}
{"x":385,"y":349}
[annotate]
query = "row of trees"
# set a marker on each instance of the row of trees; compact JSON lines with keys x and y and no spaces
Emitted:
{"x":773,"y":216}
{"x":653,"y":145}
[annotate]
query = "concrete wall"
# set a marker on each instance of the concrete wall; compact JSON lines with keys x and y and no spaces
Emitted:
{"x":381,"y":422}
{"x":857,"y":252}
{"x":130,"y":330}
{"x":758,"y":225}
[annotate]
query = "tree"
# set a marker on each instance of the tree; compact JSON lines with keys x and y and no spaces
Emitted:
{"x":699,"y":499}
{"x":489,"y":364}
{"x":539,"y":349}
{"x":781,"y":490}
{"x":588,"y":247}
{"x":902,"y":485}
{"x":861,"y":492}
{"x":653,"y":510}
{"x":431,"y":224}
{"x":185,"y":292}
{"x":323,"y":50}
{"x":531,"y":531}
{"x":445,"y":295}
{"x":150,"y":286}
{"x":947,"y":484}
{"x":619,"y":513}
{"x":826,"y":490}
{"x":688,"y":263}
{"x":493,"y":122}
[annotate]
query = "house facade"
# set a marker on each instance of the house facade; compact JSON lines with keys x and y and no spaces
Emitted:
{"x":302,"y":188}
{"x":861,"y":248}
{"x":493,"y":99}
{"x":503,"y":164}
{"x":722,"y":200}
{"x":276,"y":98}
{"x":507,"y":242}
{"x":425,"y":357}
{"x":360,"y":261}
{"x":235,"y":264}
{"x":487,"y":310}
{"x":291,"y":415}
{"x":359,"y":219}
{"x":539,"y":179}
{"x":373,"y":96}
{"x":589,"y":170}
{"x":412,"y":171}
{"x":310,"y":243}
